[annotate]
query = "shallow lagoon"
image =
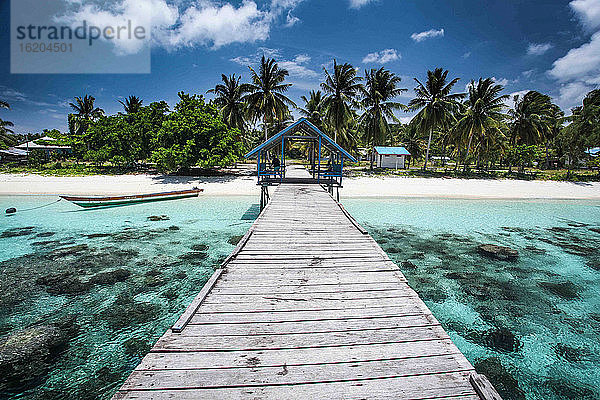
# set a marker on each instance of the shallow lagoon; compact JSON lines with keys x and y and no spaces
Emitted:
{"x":531,"y":325}
{"x":105,"y":284}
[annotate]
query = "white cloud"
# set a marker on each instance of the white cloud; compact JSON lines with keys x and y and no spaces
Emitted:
{"x":210,"y":24}
{"x":10,"y":95}
{"x":145,"y":13}
{"x":510,"y":101}
{"x":571,"y":94}
{"x":297,"y":67}
{"x":466,"y":55}
{"x":430,"y":34}
{"x":537,"y":49}
{"x":176,"y":24}
{"x":588,"y":12}
{"x":382,"y":57}
{"x":578,"y":71}
{"x":245,"y":61}
{"x":528,"y":73}
{"x":285,"y":4}
{"x":582,"y":63}
{"x":360,"y":3}
{"x":302,"y":58}
{"x":14,"y":96}
{"x":253,"y":59}
{"x":501,"y":81}
{"x":268,"y":52}
{"x":291,"y":20}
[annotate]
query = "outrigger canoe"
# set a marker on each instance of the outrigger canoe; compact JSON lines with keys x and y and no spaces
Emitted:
{"x":96,"y":201}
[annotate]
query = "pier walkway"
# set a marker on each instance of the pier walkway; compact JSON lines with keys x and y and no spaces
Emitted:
{"x":307,"y":307}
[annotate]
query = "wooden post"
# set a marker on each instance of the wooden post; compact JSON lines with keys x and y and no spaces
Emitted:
{"x":341,"y":174}
{"x":483,"y":387}
{"x":319,"y":168}
{"x":282,"y":164}
{"x":258,"y":168}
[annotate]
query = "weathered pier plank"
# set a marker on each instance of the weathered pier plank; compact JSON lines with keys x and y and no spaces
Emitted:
{"x":307,"y":306}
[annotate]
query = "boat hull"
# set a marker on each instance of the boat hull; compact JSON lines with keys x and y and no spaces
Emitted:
{"x":91,"y":202}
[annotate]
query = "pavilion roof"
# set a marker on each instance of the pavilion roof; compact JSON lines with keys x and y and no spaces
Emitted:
{"x":306,"y":128}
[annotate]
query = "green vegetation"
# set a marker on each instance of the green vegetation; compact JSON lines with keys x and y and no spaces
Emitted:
{"x":266,"y":99}
{"x":342,"y":88}
{"x":6,"y":139}
{"x":438,"y":106}
{"x":472,"y":134}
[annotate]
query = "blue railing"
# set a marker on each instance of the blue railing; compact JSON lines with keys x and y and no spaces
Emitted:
{"x":269,"y":171}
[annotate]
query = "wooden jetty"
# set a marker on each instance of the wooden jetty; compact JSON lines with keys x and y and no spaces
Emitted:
{"x":308,"y":306}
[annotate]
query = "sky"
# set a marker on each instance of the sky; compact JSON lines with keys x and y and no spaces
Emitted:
{"x":552,"y":46}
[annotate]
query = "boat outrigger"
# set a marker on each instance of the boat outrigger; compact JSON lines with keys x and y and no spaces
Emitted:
{"x":97,"y":201}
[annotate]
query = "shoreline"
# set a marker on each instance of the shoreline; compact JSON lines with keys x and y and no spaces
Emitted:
{"x":361,"y":187}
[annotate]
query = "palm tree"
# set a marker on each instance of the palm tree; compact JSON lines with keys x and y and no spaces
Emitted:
{"x":266,"y":98}
{"x":413,"y":141}
{"x":85,"y":111}
{"x":381,"y":87}
{"x":132,"y":104}
{"x":435,"y":102}
{"x":230,"y":100}
{"x":6,"y":139}
{"x":341,"y":88}
{"x":483,"y":116}
{"x":556,"y":119}
{"x":530,"y":118}
{"x":314,"y":108}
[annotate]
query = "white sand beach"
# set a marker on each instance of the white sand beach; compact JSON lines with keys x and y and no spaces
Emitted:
{"x":19,"y":184}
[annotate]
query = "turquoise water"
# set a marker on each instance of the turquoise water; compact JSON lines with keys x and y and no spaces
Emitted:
{"x":531,"y":325}
{"x":101,"y":286}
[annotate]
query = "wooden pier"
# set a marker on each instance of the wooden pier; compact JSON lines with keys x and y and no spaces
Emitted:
{"x":307,"y":307}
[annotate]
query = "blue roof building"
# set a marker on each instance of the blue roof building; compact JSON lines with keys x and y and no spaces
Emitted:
{"x":391,"y":157}
{"x":594,"y":151}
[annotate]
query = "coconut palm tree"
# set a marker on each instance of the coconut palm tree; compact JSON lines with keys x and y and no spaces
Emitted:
{"x":86,"y":111}
{"x":483,"y":115}
{"x":436,"y":104}
{"x":314,"y":108}
{"x":412,"y":140}
{"x":556,"y":119}
{"x":230,"y":100}
{"x":530,"y":118}
{"x":266,"y":99}
{"x":132,"y":104}
{"x":378,"y":93}
{"x":6,"y":139}
{"x":341,"y":87}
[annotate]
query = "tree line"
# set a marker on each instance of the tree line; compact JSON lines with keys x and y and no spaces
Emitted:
{"x":474,"y":128}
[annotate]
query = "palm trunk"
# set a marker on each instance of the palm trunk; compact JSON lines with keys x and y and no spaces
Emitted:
{"x":372,"y":152}
{"x":468,"y":151}
{"x":428,"y":146}
{"x":265,"y":128}
{"x":547,"y":155}
{"x":457,"y":163}
{"x":444,"y":154}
